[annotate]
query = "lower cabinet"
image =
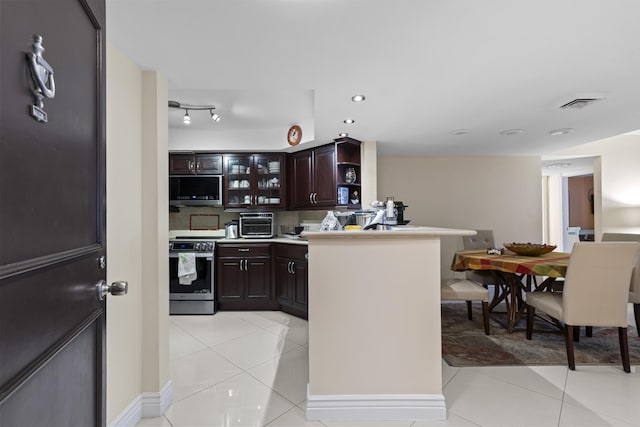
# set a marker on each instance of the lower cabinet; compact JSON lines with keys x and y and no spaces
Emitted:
{"x":292,"y":278}
{"x":243,"y":277}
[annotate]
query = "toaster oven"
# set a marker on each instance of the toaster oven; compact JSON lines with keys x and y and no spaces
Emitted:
{"x":257,"y":225}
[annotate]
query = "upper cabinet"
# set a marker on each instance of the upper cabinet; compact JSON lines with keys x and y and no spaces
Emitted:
{"x":348,"y":170}
{"x":325,"y":176}
{"x":195,"y":164}
{"x":254,"y":180}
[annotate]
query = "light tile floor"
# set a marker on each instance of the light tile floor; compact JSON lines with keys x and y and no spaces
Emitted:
{"x":251,"y":369}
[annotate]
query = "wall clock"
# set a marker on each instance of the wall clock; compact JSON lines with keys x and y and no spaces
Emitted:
{"x":294,"y":135}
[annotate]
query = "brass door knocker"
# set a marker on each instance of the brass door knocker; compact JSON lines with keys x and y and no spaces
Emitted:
{"x":42,"y":83}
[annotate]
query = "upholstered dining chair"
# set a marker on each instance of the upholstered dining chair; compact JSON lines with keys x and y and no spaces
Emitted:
{"x":466,"y":290}
{"x":482,"y":240}
{"x":595,"y":293}
{"x":634,"y":288}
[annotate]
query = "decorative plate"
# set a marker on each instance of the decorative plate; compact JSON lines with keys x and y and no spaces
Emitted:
{"x":529,"y":249}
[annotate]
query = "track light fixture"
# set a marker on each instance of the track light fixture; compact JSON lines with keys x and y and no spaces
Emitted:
{"x":187,"y":118}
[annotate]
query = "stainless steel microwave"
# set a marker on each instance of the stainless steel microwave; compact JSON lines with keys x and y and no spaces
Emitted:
{"x":189,"y":190}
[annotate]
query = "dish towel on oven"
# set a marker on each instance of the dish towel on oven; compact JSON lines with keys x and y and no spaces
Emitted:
{"x":186,"y":268}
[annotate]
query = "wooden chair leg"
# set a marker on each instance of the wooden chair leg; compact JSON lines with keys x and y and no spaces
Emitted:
{"x":569,"y":342}
{"x":485,"y":316}
{"x":589,"y":331}
{"x":531,"y":313}
{"x":576,"y":333}
{"x":624,"y":349}
{"x":636,"y":312}
{"x":469,"y":313}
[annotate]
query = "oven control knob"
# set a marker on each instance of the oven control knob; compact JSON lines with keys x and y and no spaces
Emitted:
{"x":197,"y":246}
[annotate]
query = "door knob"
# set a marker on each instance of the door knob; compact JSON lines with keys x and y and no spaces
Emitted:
{"x":115,"y":289}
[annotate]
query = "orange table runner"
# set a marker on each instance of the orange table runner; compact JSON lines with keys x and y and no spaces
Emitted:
{"x":553,"y":264}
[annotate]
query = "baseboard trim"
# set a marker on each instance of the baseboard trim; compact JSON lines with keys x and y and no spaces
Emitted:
{"x":145,"y":405}
{"x":368,"y":407}
{"x":155,"y":404}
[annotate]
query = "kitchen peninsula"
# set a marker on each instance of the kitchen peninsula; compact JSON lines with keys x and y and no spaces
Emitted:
{"x":374,"y":324}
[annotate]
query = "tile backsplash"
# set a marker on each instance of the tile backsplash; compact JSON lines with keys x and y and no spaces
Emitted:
{"x":194,"y":217}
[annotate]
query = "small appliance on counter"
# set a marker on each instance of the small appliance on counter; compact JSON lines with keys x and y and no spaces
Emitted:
{"x":400,"y":207}
{"x":257,"y":225}
{"x":231,"y":230}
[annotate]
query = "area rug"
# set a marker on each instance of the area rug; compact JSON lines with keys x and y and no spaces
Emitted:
{"x":465,"y":344}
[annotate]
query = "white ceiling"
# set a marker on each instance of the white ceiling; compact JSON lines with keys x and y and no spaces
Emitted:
{"x":427,"y":67}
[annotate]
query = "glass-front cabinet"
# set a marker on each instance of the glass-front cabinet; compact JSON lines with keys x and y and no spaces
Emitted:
{"x":254,"y":181}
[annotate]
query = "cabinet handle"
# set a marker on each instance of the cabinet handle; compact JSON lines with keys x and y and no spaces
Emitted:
{"x":315,"y":197}
{"x":289,"y":267}
{"x":190,"y":165}
{"x":246,"y":265}
{"x":198,"y":166}
{"x":243,"y":249}
{"x":311,"y":198}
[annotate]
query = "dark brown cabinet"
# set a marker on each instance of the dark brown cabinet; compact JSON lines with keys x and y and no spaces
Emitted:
{"x":325,"y":176}
{"x":348,"y":173}
{"x":254,"y":181}
{"x":243,"y":277}
{"x":291,"y":275}
{"x":195,"y":164}
{"x":312,"y":180}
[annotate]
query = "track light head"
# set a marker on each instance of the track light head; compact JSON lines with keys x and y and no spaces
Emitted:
{"x":187,"y":118}
{"x":214,"y":116}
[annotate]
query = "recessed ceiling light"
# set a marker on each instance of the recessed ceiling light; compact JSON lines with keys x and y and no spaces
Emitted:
{"x":358,"y":98}
{"x":460,"y":132}
{"x":562,"y":131}
{"x":510,"y":132}
{"x":349,"y":121}
{"x":343,"y":134}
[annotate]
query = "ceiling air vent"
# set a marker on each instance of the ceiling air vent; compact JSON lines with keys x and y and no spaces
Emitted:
{"x":580,"y":103}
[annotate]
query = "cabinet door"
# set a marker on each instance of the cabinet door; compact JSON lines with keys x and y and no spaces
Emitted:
{"x":237,"y":181}
{"x":267,"y":177}
{"x":229,"y":285}
{"x":324,"y":177}
{"x":258,"y":278}
{"x":301,"y":285}
{"x":208,"y":164}
{"x":300,"y":179}
{"x":182,"y":164}
{"x":284,"y":283}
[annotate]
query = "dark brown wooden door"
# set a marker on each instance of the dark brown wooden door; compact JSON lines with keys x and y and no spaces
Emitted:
{"x":52,"y":215}
{"x":324,"y":176}
{"x":300,"y":180}
{"x":258,"y":280}
{"x":182,"y":164}
{"x":208,"y":164}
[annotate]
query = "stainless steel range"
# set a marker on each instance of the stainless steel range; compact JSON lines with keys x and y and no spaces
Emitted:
{"x":194,"y":296}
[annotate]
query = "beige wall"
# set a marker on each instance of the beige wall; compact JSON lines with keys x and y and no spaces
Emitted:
{"x":616,"y":182}
{"x":137,"y":233}
{"x":155,"y":233}
{"x":124,"y":239}
{"x":498,"y":193}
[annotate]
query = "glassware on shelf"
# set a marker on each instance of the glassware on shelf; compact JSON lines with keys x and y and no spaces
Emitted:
{"x":350,"y":176}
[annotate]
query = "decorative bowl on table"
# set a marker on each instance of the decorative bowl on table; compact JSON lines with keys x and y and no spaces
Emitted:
{"x":529,"y":249}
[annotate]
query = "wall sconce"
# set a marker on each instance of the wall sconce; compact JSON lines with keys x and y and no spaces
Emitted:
{"x":187,"y":118}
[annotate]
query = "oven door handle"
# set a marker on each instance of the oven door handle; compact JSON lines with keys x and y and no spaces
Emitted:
{"x":208,"y":256}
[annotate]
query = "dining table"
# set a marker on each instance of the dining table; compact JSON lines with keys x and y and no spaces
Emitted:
{"x":514,"y":274}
